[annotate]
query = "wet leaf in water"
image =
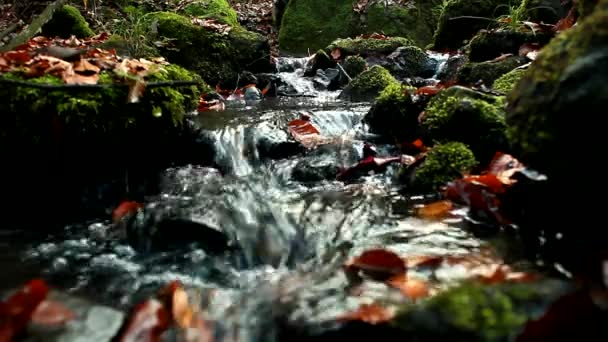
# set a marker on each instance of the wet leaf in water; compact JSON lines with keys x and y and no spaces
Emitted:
{"x":369,"y":313}
{"x":379,"y":264}
{"x":147,"y":322}
{"x":410,"y":287}
{"x":213,"y":105}
{"x":436,"y":210}
{"x":17,"y":310}
{"x":125,"y":208}
{"x":304,"y":132}
{"x":52,"y":313}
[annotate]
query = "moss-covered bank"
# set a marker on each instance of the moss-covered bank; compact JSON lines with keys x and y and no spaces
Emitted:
{"x":67,"y":21}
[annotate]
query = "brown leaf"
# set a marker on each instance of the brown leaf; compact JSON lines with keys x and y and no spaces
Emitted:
{"x":181,"y":309}
{"x":136,"y":90}
{"x":368,"y":313}
{"x":147,"y":322}
{"x":85,"y":68}
{"x":213,"y":25}
{"x":336,"y":53}
{"x":529,"y":50}
{"x":379,"y":264}
{"x":436,"y":210}
{"x":81,"y":79}
{"x":567,"y":22}
{"x":304,"y":132}
{"x":409,"y":287}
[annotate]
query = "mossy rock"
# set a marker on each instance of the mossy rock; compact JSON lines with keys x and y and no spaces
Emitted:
{"x":100,"y":112}
{"x":410,"y":61}
{"x":507,"y":82}
{"x":461,"y":19}
{"x":368,"y":84}
{"x":212,"y":9}
{"x":320,"y":61}
{"x":443,"y":164}
{"x":562,"y":93}
{"x":487,"y":45}
{"x":365,"y":47}
{"x":488,"y":72}
{"x":475,"y":312}
{"x":586,"y":7}
{"x":464,"y":115}
{"x":546,"y":11}
{"x":212,"y":55}
{"x":354,"y":65}
{"x":394,"y":113}
{"x":312,"y":24}
{"x":67,"y":21}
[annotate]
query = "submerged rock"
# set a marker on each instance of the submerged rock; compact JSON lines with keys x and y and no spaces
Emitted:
{"x":368,"y":84}
{"x":488,"y":72}
{"x":394,"y":114}
{"x":461,"y":19}
{"x":443,"y":164}
{"x":471,"y":117}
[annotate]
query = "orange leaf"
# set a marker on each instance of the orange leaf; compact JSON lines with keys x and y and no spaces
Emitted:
{"x":181,"y":309}
{"x":436,"y":210}
{"x":85,"y":68}
{"x":368,"y":313}
{"x":303,"y":131}
{"x":378,"y":263}
{"x":147,"y":322}
{"x":125,"y":208}
{"x":411,"y":288}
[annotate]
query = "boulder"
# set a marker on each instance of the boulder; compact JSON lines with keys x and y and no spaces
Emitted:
{"x":367,"y":47}
{"x":67,"y":21}
{"x":368,"y":84}
{"x":488,"y":72}
{"x":394,"y":114}
{"x":212,"y":54}
{"x":410,"y":61}
{"x":354,"y":65}
{"x":461,"y":19}
{"x":464,"y":115}
{"x":487,"y":45}
{"x":415,"y":20}
{"x":219,"y":10}
{"x":449,"y":72}
{"x":507,"y":82}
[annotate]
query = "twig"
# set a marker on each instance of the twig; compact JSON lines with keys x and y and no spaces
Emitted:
{"x":94,"y":86}
{"x":344,"y":71}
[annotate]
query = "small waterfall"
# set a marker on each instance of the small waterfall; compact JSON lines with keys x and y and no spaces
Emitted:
{"x":441,"y":58}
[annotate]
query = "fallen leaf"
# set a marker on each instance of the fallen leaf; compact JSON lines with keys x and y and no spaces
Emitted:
{"x":147,"y":321}
{"x":380,"y":264}
{"x":336,"y":54}
{"x":368,"y":313}
{"x":80,"y":79}
{"x":411,"y":288}
{"x":529,"y":50}
{"x":17,"y":310}
{"x":136,"y":90}
{"x":435,"y":211}
{"x":85,"y":68}
{"x":213,"y":25}
{"x":125,"y":208}
{"x":568,"y":21}
{"x":369,"y":164}
{"x":52,"y":313}
{"x":214,"y":105}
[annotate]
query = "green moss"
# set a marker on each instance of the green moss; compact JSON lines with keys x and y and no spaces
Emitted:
{"x":461,"y":114}
{"x":369,"y":46}
{"x":546,"y":11}
{"x":487,"y":72}
{"x":215,"y":9}
{"x":368,"y":84}
{"x":541,"y":106}
{"x":507,"y":82}
{"x":410,"y":61}
{"x":394,"y":114}
{"x":354,"y":65}
{"x":309,"y":25}
{"x":67,"y":21}
{"x":212,"y":55}
{"x":99,"y":112}
{"x":461,"y":19}
{"x":443,"y":164}
{"x":586,"y":7}
{"x":487,"y":45}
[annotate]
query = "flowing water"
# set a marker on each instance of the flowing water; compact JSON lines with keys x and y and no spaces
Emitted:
{"x":296,"y":226}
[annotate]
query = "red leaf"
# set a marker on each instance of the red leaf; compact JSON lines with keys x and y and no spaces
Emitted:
{"x":410,"y":288}
{"x":378,"y":263}
{"x":478,"y":196}
{"x":52,"y":313}
{"x":303,"y":131}
{"x":125,"y":208}
{"x":214,"y":105}
{"x":368,"y":313}
{"x":412,"y":148}
{"x":147,"y":322}
{"x":18,"y":309}
{"x":567,"y":22}
{"x":17,"y":57}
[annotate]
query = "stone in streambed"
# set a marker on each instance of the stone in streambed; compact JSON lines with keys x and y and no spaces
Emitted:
{"x":488,"y":72}
{"x":354,"y":65}
{"x":394,"y":114}
{"x":368,"y":84}
{"x":409,"y":61}
{"x":487,"y":45}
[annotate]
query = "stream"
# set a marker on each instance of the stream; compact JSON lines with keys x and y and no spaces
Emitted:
{"x":296,"y":225}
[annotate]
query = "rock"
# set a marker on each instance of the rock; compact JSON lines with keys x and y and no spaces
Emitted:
{"x":443,"y":164}
{"x":473,"y":118}
{"x":323,"y":80}
{"x":67,"y":21}
{"x":213,"y":55}
{"x":252,"y":95}
{"x":491,"y":313}
{"x":367,"y":47}
{"x":415,"y":20}
{"x":314,"y":170}
{"x":449,"y":72}
{"x":586,"y":7}
{"x":545,"y":11}
{"x":279,"y":86}
{"x":409,"y":61}
{"x":507,"y":82}
{"x":545,"y":112}
{"x":394,"y":114}
{"x":487,"y":45}
{"x":354,"y":65}
{"x":278,"y":9}
{"x":456,"y":24}
{"x":320,"y":61}
{"x":488,"y":72}
{"x":368,"y":84}
{"x":219,"y":10}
